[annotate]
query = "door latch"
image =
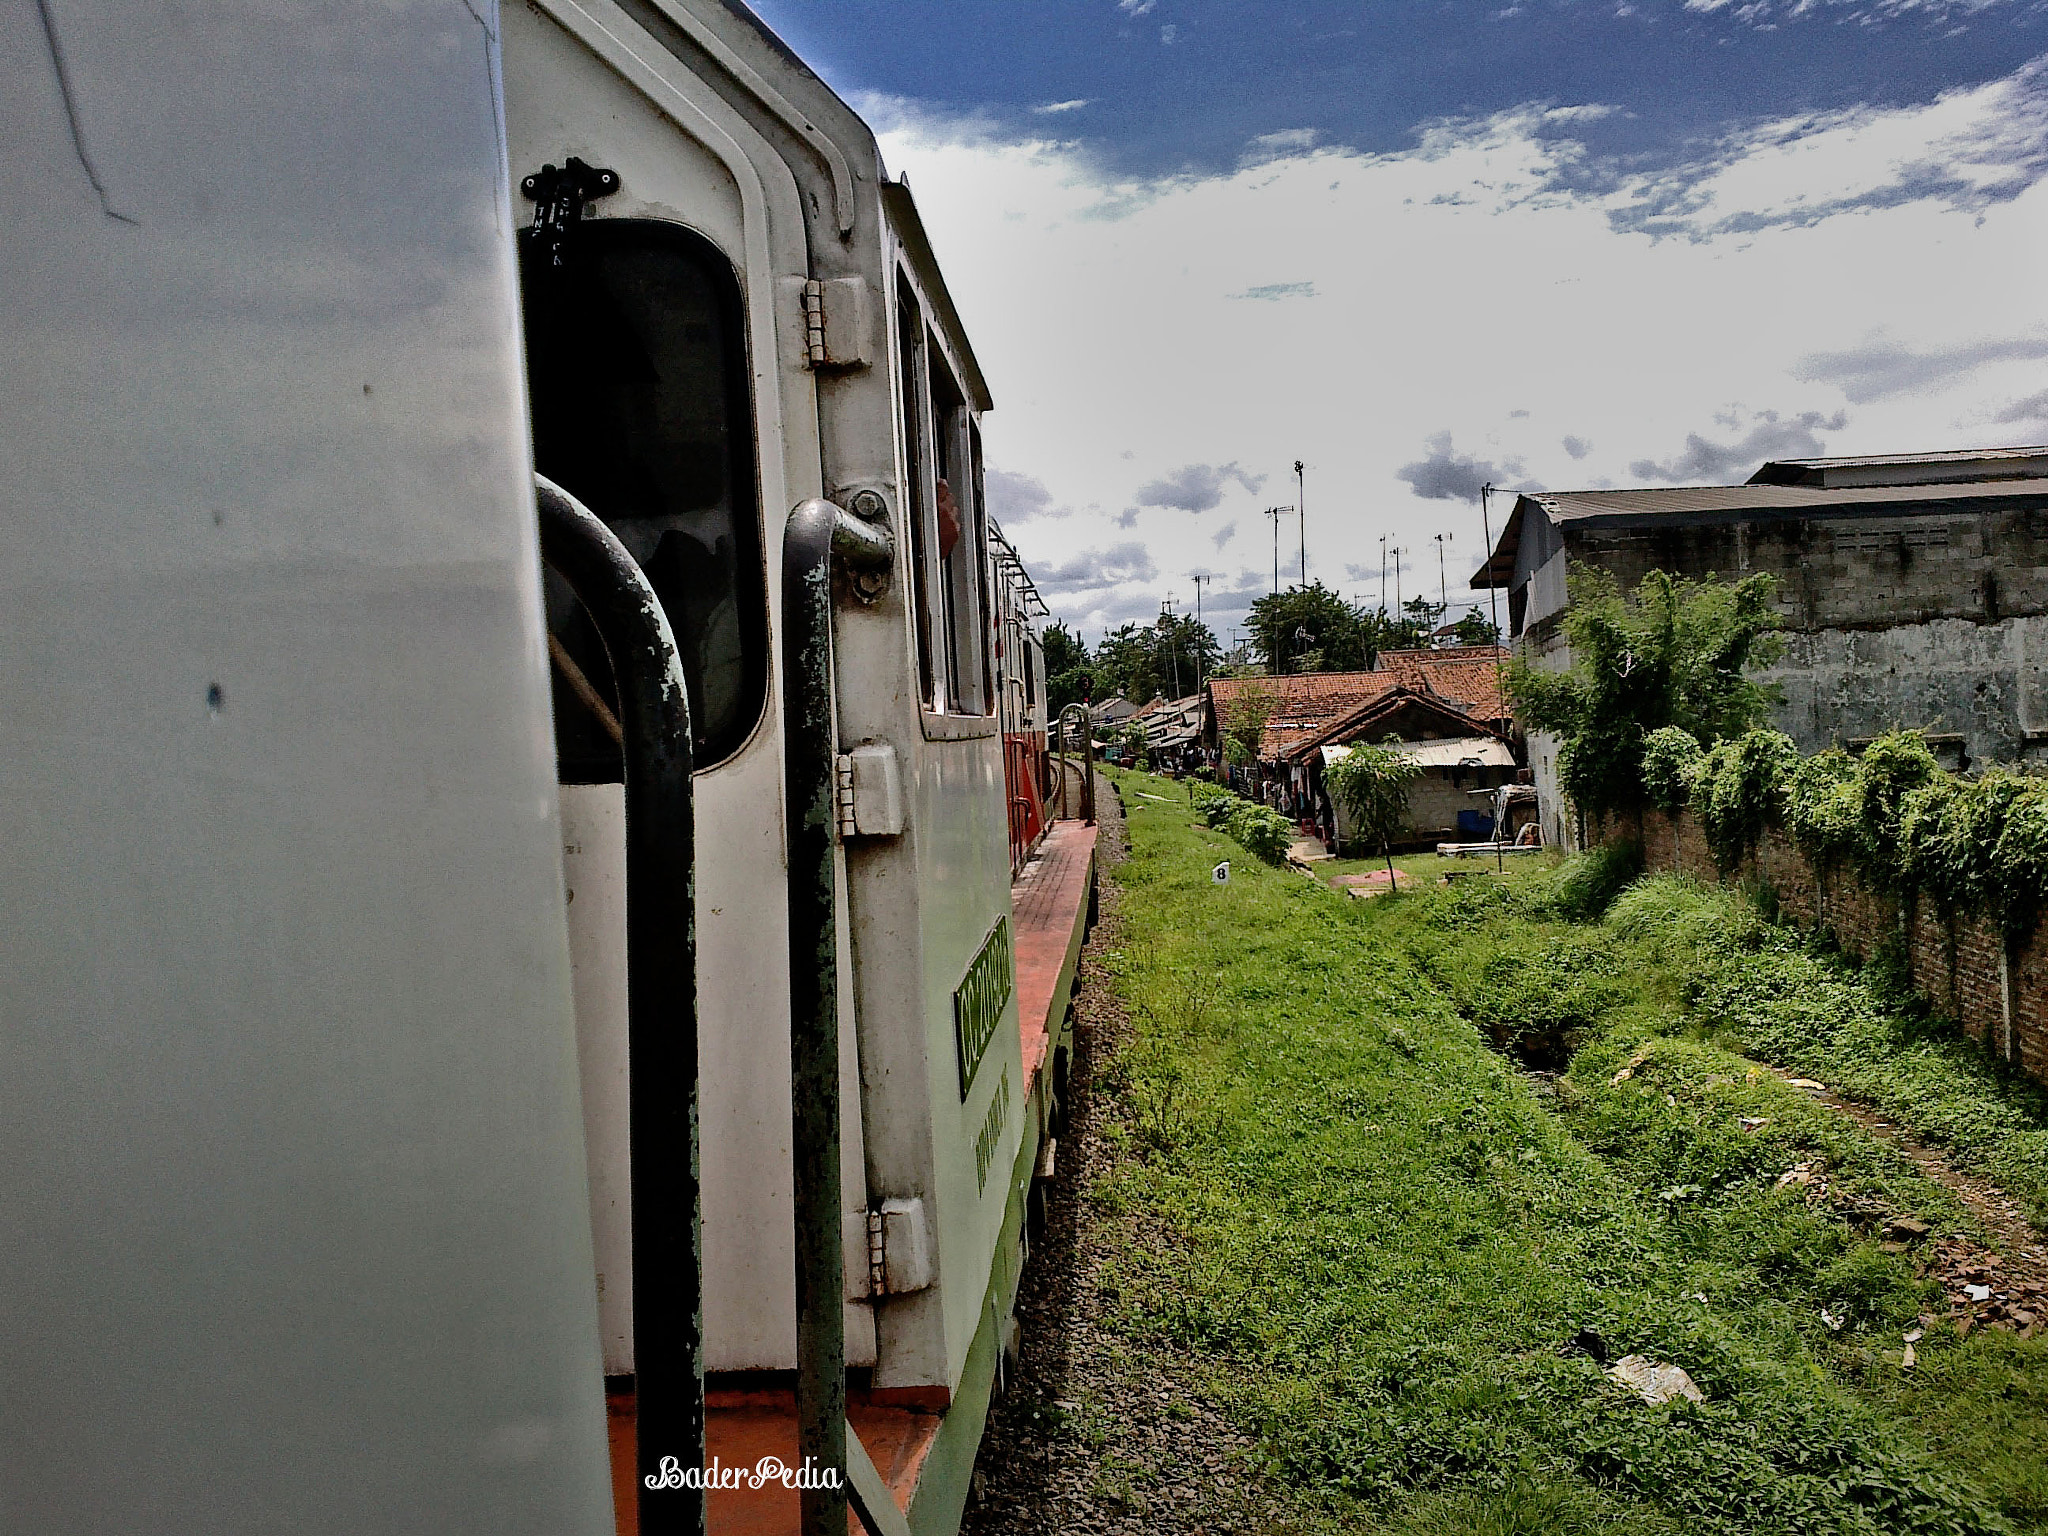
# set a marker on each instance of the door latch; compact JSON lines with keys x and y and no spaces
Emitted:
{"x":559,"y":194}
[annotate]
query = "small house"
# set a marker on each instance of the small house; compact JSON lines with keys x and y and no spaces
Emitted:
{"x":1458,"y":754}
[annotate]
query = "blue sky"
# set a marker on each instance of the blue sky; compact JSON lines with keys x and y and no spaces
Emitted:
{"x":1545,"y":243}
{"x":1175,"y":85}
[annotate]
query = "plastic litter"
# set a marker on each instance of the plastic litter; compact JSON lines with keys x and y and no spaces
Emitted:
{"x":1654,"y":1381}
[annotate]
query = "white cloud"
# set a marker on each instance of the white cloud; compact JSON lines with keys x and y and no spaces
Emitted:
{"x":1052,"y":107}
{"x":1770,"y":436}
{"x":1195,"y":487}
{"x":1452,"y":283}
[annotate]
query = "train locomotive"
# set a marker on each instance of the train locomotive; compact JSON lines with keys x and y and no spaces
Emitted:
{"x":539,"y":937}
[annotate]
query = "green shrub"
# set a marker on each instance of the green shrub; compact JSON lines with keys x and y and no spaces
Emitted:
{"x":1262,"y":831}
{"x":1823,"y":807}
{"x":2019,"y":862}
{"x":1740,"y":789}
{"x":1215,"y":805}
{"x":1891,"y":768}
{"x":1543,"y":993}
{"x":1682,"y":919}
{"x":1471,"y":903}
{"x":1672,"y":759}
{"x":1953,"y":844}
{"x":1583,"y":887}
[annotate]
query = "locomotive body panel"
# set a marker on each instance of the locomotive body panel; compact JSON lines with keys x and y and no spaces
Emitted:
{"x":296,"y":1233}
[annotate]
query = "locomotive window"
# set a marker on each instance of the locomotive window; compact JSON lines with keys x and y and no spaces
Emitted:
{"x":983,"y":574}
{"x":637,"y":370}
{"x":910,"y":365}
{"x":961,"y":542}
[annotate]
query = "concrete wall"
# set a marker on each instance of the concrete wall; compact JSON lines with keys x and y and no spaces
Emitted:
{"x":1932,"y":619}
{"x":1963,"y":969}
{"x":1843,"y":571}
{"x":1987,"y":683}
{"x":1434,"y":802}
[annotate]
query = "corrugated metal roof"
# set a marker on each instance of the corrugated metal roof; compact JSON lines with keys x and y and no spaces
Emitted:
{"x":1449,"y":753}
{"x":1732,"y":501}
{"x":1903,"y":460}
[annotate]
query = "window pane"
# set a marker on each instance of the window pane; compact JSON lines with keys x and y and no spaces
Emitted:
{"x":636,"y":357}
{"x":960,"y":541}
{"x":910,"y":363}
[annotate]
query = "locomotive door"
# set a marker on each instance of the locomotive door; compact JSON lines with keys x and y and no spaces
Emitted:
{"x":661,"y":400}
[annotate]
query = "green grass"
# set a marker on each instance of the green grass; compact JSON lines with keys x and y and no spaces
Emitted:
{"x":1386,"y":1241}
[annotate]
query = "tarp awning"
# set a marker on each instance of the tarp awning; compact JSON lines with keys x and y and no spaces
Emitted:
{"x":1468,"y":751}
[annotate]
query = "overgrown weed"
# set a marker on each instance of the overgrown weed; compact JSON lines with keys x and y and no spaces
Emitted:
{"x":1434,"y":1245}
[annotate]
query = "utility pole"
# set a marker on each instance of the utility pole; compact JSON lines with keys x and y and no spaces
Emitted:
{"x":1201,"y":578}
{"x":1397,"y":554}
{"x":1276,"y":513}
{"x":1383,"y":575}
{"x":1492,"y":587}
{"x":1301,"y":517}
{"x":1166,"y":629}
{"x":1499,"y":672}
{"x":1443,"y":590}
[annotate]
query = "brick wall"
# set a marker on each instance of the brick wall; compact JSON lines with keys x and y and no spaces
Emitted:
{"x":1960,"y":967}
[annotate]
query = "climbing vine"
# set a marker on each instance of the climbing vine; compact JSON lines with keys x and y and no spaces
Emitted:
{"x":1740,"y":789}
{"x":1974,"y":846}
{"x":1672,"y":759}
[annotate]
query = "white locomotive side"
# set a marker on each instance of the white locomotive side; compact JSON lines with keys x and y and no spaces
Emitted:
{"x":295,"y":1234}
{"x":318,"y":1068}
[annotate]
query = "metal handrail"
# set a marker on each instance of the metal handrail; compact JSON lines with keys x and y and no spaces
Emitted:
{"x":817,"y":534}
{"x":1087,"y":760}
{"x":661,"y":1001}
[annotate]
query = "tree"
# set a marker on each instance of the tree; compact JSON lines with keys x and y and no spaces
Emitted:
{"x":1064,"y":648}
{"x":1476,"y":629}
{"x":1425,"y":617}
{"x":1371,"y":784}
{"x":1311,"y":629}
{"x":1069,"y":679}
{"x":1245,"y":727}
{"x":1387,"y":633}
{"x":1140,"y":660}
{"x":1674,"y":653}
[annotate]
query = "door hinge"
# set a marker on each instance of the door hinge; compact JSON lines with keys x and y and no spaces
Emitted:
{"x":814,"y":322}
{"x":842,"y":794}
{"x":878,"y":1271}
{"x":899,"y":1250}
{"x":836,"y":322}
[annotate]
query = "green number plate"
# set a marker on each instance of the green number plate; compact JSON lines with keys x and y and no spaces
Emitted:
{"x":979,"y":1000}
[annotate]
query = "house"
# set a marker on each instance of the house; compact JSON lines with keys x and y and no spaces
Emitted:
{"x":1914,"y":589}
{"x":1111,"y":713}
{"x":1461,"y":756}
{"x":1459,"y":689}
{"x":1173,"y":731}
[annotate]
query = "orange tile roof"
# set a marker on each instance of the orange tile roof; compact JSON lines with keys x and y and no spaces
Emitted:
{"x":1358,"y":724}
{"x":1306,"y":703}
{"x":1469,"y":676}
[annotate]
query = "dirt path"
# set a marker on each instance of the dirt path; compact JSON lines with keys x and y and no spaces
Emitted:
{"x":1097,"y":1433}
{"x":2001,"y":1285}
